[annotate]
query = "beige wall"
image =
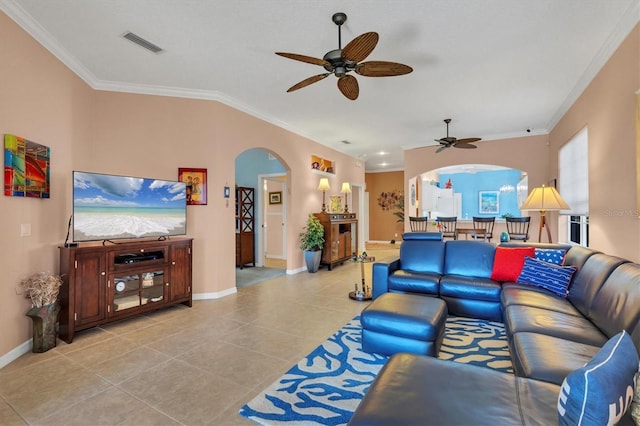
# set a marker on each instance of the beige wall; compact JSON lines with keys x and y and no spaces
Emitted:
{"x":383,"y":224}
{"x":43,"y":102}
{"x":607,"y":109}
{"x":134,"y":135}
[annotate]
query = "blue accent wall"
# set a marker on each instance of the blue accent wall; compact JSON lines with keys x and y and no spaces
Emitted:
{"x":254,"y":162}
{"x":470,"y":184}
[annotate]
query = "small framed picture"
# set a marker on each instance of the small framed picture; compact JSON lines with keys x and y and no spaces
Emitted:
{"x":489,"y":202}
{"x":336,"y":204}
{"x":275,"y":197}
{"x":196,"y":180}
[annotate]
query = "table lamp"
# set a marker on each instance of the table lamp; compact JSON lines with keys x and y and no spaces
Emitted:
{"x":346,"y":189}
{"x":544,"y":199}
{"x":323,"y":186}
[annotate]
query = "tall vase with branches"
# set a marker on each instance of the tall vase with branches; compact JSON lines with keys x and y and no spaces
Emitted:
{"x":42,"y":289}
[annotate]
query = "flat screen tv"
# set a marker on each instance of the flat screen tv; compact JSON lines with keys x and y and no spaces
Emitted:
{"x":110,"y":207}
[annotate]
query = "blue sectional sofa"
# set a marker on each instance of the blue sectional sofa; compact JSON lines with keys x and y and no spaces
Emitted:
{"x":549,"y":336}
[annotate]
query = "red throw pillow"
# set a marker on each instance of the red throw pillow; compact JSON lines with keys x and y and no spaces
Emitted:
{"x":508,"y":262}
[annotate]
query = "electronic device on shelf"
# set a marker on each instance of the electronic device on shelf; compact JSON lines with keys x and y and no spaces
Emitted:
{"x":127,"y":258}
{"x":111,"y":207}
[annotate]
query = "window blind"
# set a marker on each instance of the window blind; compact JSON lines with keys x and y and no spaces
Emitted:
{"x":573,"y":174}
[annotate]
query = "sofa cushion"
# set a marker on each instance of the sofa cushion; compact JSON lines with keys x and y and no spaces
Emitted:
{"x":617,"y":305}
{"x":425,"y":256}
{"x":555,"y":256}
{"x":470,"y":258}
{"x":547,"y":358}
{"x":527,"y":295}
{"x":518,"y":318}
{"x":403,"y":281}
{"x":602,"y":390}
{"x":589,"y":278}
{"x":508,"y":262}
{"x":419,"y":390}
{"x":551,"y":277}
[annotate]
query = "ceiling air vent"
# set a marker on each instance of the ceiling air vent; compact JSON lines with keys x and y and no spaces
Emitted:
{"x":142,"y":42}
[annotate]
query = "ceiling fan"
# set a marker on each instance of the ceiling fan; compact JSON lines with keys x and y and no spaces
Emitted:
{"x":342,"y":61}
{"x":450,"y":141}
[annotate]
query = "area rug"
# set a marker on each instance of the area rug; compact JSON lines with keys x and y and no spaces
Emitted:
{"x":327,"y":385}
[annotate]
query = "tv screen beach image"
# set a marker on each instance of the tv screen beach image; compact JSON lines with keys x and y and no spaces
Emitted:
{"x":109,"y":207}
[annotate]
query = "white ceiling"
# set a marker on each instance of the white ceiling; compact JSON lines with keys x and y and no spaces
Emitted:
{"x":496,"y":67}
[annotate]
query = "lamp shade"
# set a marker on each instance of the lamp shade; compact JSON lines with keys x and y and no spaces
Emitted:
{"x":324,"y":184}
{"x":544,"y":198}
{"x":346,"y":188}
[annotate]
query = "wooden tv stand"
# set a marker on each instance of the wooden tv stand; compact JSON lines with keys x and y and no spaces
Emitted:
{"x":105,"y":283}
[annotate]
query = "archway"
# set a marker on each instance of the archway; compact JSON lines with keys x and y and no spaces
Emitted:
{"x":463,"y":191}
{"x":261,"y":173}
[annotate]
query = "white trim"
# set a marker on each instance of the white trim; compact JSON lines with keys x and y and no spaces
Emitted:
{"x":16,"y":353}
{"x":216,"y":295}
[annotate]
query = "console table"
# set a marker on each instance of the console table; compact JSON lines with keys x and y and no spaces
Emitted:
{"x":340,"y":237}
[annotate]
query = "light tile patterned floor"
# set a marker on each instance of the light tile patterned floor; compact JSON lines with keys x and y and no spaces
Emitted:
{"x":190,"y":366}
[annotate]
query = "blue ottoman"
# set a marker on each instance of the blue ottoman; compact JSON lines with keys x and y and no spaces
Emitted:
{"x":396,"y":322}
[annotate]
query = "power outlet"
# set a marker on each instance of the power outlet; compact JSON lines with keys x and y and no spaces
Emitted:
{"x":25,"y":229}
{"x":396,"y":235}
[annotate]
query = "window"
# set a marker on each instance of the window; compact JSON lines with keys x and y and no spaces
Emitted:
{"x":573,"y":177}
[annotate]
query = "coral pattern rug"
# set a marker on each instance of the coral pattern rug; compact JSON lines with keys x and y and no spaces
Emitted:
{"x":327,"y":385}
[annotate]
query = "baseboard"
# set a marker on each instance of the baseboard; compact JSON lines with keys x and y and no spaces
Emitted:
{"x":16,"y":353}
{"x":296,"y":271}
{"x":216,"y":295}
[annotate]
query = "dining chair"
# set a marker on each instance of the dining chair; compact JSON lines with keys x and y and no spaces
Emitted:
{"x":518,"y":228}
{"x":448,"y":227}
{"x":486,"y":224}
{"x":418,"y":223}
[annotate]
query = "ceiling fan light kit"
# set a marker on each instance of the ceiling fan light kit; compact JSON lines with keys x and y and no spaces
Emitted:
{"x":450,"y":141}
{"x":341,"y":62}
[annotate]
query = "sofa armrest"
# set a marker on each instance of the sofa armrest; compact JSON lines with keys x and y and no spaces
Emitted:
{"x":380,"y":276}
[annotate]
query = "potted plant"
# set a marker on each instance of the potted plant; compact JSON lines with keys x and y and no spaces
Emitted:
{"x":311,"y":242}
{"x":42,"y":289}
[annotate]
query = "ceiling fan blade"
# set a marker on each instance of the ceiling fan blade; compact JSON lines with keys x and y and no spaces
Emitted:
{"x":442,"y":148}
{"x":360,"y":47}
{"x":308,"y":81}
{"x":303,"y":58}
{"x":464,"y":145}
{"x":468,"y":140}
{"x":382,"y":69}
{"x":348,"y":85}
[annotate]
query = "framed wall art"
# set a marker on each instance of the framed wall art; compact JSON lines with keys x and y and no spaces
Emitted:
{"x":26,"y":168}
{"x":489,"y":202}
{"x":275,"y":197}
{"x":196,"y":180}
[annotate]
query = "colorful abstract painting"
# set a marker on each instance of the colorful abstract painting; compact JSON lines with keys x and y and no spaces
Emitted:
{"x":26,"y":168}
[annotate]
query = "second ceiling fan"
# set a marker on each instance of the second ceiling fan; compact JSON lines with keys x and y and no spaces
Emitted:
{"x":450,"y":141}
{"x":342,"y":61}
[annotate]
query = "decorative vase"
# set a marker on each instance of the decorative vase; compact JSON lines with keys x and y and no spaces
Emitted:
{"x":504,"y":237}
{"x":312,"y":259}
{"x":45,"y":326}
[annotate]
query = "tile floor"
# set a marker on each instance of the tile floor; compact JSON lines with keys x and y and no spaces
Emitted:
{"x":190,"y":366}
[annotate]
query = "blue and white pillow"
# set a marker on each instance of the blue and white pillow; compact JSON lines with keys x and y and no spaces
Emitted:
{"x":555,"y":256}
{"x":600,"y":392}
{"x":546,"y":275}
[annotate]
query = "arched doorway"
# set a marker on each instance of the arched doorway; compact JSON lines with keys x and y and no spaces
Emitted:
{"x":261,"y":174}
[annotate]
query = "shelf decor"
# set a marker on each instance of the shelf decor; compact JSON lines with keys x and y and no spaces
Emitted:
{"x":489,"y":202}
{"x":322,"y":165}
{"x":196,"y":180}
